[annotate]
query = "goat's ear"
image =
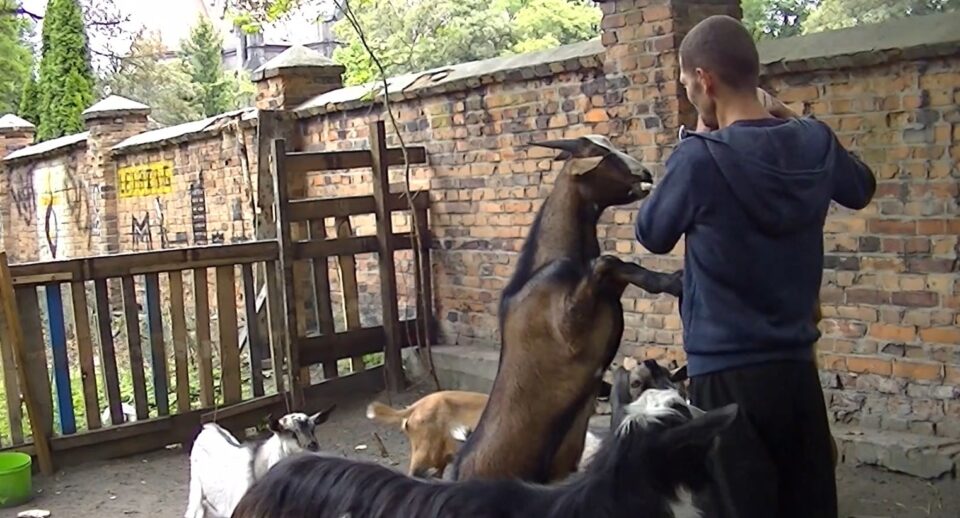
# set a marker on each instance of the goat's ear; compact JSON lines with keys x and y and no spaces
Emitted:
{"x":693,"y":440}
{"x":322,"y":416}
{"x":579,"y":166}
{"x":273,"y":424}
{"x":679,"y":375}
{"x":570,"y":147}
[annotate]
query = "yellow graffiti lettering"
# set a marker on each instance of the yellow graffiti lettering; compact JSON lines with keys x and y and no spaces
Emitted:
{"x":145,"y":179}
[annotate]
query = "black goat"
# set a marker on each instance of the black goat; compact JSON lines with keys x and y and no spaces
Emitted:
{"x":648,"y":469}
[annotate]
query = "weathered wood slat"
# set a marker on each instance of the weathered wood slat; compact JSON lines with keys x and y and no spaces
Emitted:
{"x":366,"y":340}
{"x":305,"y":162}
{"x":158,"y":352}
{"x":316,"y":208}
{"x":178,"y":324}
{"x":347,"y":269}
{"x":88,"y":374}
{"x":61,"y":366}
{"x":423,"y":282}
{"x":108,"y":356}
{"x":204,"y":347}
{"x":276,"y":323}
{"x":229,"y":336}
{"x":136,"y":263}
{"x":253,"y":330}
{"x":388,"y":274}
{"x":347,"y":246}
{"x":291,"y":338}
{"x":131,"y":316}
{"x":22,"y":317}
{"x":11,"y":382}
{"x":321,"y":286}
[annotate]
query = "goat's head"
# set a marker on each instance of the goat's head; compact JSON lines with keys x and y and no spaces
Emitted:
{"x":665,"y":438}
{"x":630,"y":382}
{"x":603,"y":174}
{"x":298,"y":431}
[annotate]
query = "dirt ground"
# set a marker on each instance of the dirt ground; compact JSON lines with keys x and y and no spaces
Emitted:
{"x":155,"y":485}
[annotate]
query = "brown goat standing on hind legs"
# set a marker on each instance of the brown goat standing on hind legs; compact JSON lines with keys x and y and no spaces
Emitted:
{"x":561,"y":321}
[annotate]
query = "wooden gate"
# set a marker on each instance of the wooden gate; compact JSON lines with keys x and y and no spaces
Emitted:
{"x":134,"y":329}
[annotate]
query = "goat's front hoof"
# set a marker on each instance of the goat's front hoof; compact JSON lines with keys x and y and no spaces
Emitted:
{"x":675,"y":283}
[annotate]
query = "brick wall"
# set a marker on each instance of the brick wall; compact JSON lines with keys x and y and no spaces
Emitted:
{"x":891,"y":347}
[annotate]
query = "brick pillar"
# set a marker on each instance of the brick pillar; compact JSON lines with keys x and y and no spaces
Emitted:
{"x":294,"y":77}
{"x":109,"y":122}
{"x":15,"y":133}
{"x":642,"y":40}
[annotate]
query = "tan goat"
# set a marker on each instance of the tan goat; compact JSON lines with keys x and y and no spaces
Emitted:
{"x":436,"y":425}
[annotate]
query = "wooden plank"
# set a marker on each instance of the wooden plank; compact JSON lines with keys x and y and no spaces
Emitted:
{"x":61,"y":365}
{"x":158,"y":352}
{"x":316,"y":208}
{"x":88,"y":374}
{"x":388,"y":274}
{"x":204,"y":347}
{"x":35,"y":368}
{"x":423,"y":280}
{"x":31,"y":387}
{"x":268,"y":128}
{"x":229,"y":335}
{"x":131,"y":316}
{"x":347,"y":246}
{"x":178,"y":324}
{"x":11,"y":382}
{"x":136,"y":263}
{"x":306,"y":162}
{"x":350,"y":294}
{"x":276,"y":323}
{"x":321,"y":286}
{"x":366,"y":340}
{"x":282,"y":196}
{"x":108,"y":356}
{"x":253,"y":330}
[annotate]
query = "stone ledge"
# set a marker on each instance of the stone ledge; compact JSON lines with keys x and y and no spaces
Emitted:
{"x":917,"y":455}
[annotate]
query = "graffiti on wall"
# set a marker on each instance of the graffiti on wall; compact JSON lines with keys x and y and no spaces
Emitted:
{"x":51,"y":209}
{"x":23,"y":194}
{"x":142,"y":229}
{"x":142,"y":180}
{"x":198,"y":210}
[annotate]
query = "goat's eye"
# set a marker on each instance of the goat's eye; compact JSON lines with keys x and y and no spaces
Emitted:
{"x":634,"y":384}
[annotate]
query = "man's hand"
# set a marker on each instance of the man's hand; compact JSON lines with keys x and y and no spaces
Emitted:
{"x":774,"y":106}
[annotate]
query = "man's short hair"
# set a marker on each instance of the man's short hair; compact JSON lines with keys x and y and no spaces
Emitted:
{"x":723,"y":46}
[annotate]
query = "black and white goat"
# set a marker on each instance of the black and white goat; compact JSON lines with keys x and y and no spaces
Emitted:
{"x":626,"y":387}
{"x":222,"y":469}
{"x":648,"y":469}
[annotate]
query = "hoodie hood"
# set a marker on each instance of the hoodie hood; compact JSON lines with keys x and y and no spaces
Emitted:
{"x":779,"y":171}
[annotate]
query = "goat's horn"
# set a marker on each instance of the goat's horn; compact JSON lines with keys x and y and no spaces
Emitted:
{"x":572,"y":146}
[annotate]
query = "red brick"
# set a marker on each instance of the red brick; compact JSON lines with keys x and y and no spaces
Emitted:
{"x":893,"y":332}
{"x":868,"y":365}
{"x":941,"y":335}
{"x":922,"y":299}
{"x":888,"y":226}
{"x":917,"y":370}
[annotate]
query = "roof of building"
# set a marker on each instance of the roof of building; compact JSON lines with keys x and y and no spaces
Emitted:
{"x":115,"y":105}
{"x":12,"y":122}
{"x":49,"y":146}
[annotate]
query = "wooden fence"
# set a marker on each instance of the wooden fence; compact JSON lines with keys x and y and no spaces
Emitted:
{"x":82,"y":319}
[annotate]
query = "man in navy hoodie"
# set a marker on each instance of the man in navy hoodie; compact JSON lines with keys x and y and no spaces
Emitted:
{"x":750,"y":193}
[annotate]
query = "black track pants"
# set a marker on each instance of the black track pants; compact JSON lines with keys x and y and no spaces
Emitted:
{"x":775,"y":460}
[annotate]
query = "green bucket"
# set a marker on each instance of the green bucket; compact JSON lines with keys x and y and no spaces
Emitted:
{"x":16,"y":484}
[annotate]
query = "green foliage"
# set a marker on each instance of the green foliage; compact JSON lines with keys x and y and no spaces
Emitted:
{"x":30,"y":101}
{"x":839,"y":14}
{"x":201,"y":53}
{"x":414,"y":35}
{"x":165,"y":86}
{"x":775,"y":18}
{"x":66,"y":78}
{"x":16,"y":58}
